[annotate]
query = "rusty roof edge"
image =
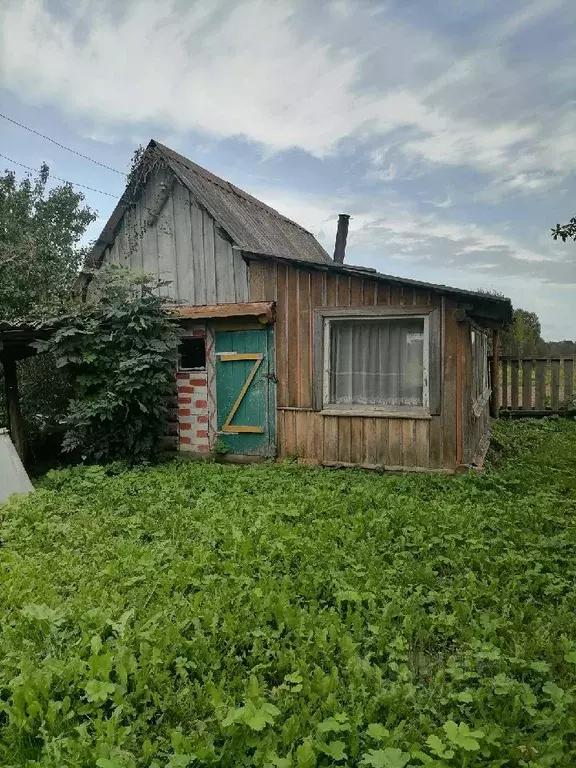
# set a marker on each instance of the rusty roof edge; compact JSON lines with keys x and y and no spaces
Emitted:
{"x":368,"y":272}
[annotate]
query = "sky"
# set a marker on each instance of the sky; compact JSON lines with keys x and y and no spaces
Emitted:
{"x":445,"y":128}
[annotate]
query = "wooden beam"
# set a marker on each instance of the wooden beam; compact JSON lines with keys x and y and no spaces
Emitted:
{"x":263,"y":310}
{"x":495,"y":375}
{"x":13,"y":404}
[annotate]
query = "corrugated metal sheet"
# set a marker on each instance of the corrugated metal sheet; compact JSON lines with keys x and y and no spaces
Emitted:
{"x":252,"y":225}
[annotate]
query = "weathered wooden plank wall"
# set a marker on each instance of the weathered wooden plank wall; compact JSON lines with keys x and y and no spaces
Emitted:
{"x":174,"y":239}
{"x":366,"y":441}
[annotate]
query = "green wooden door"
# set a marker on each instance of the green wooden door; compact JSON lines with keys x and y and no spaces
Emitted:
{"x":245,"y":391}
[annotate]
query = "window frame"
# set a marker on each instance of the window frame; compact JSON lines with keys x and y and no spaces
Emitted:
{"x":324,"y":317}
{"x":183,"y":340}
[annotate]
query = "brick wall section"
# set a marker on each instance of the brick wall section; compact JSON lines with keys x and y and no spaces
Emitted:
{"x":192,"y":411}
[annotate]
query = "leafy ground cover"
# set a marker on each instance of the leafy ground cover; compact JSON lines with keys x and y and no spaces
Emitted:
{"x":280,"y":615}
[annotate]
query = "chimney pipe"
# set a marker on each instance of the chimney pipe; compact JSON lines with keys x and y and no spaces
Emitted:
{"x":341,"y":237}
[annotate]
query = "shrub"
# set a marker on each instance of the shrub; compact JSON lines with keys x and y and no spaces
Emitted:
{"x":120,"y":348}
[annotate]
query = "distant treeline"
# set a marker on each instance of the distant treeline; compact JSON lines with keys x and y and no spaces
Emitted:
{"x":539,"y":348}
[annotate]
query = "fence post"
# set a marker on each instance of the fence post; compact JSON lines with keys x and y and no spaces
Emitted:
{"x":495,"y":375}
{"x":540,"y":403}
{"x":568,"y":380}
{"x":555,"y":384}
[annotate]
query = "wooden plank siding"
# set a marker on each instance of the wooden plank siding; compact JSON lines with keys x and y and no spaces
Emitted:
{"x":349,"y":440}
{"x":181,"y":244}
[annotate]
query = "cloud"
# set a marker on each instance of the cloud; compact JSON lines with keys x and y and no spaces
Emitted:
{"x":379,"y":233}
{"x":424,"y":117}
{"x":270,"y":72}
{"x":222,"y":68}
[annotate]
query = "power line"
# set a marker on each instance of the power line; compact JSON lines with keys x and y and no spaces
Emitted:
{"x":62,"y":146}
{"x":66,"y":181}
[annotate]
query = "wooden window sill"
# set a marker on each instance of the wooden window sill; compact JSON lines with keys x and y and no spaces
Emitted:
{"x":376,"y":413}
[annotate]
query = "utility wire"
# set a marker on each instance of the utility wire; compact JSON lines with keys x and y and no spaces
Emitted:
{"x":62,"y":146}
{"x":66,"y":181}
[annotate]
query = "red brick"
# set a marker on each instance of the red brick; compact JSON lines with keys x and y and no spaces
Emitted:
{"x":198,"y":382}
{"x":185,"y":425}
{"x":182,"y":376}
{"x":185,"y":440}
{"x":202,"y":419}
{"x":201,"y":404}
{"x":184,"y":400}
{"x":203,"y":448}
{"x":184,"y":412}
{"x":201,"y":433}
{"x":186,"y":390}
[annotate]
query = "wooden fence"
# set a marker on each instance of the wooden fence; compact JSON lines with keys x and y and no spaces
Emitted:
{"x":535,"y":386}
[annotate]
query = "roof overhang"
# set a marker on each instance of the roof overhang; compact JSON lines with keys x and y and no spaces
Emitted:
{"x":487,"y":310}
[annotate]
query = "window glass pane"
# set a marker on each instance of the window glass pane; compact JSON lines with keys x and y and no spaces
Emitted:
{"x":377,"y":362}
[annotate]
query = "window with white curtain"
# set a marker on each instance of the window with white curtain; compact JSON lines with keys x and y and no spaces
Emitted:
{"x":480,"y":378}
{"x":379,"y":362}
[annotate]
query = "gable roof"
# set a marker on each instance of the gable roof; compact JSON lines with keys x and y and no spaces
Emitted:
{"x":252,"y":225}
{"x":258,"y":230}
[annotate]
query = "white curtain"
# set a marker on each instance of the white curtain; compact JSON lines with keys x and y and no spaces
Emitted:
{"x":377,"y":362}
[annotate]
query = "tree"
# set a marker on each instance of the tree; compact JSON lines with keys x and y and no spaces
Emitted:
{"x":565,"y":231}
{"x":40,"y":234}
{"x":525,"y":330}
{"x":40,"y":255}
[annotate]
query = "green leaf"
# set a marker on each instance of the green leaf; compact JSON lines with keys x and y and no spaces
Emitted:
{"x":438,"y":747}
{"x":554,"y":691}
{"x":306,"y":755}
{"x":333,"y":725}
{"x":180,"y":761}
{"x":98,"y":691}
{"x":377,"y":732}
{"x":570,"y":657}
{"x":113,"y":762}
{"x":335,"y":750}
{"x":274,"y":761}
{"x":465,"y":696}
{"x":385,"y":758}
{"x":461,"y":736}
{"x":258,"y":719}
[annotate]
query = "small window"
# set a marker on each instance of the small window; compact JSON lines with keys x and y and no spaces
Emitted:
{"x":480,"y":378}
{"x":192,"y":354}
{"x":376,"y":362}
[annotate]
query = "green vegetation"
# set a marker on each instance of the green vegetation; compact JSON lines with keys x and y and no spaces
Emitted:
{"x":41,"y":229}
{"x":40,"y":234}
{"x":119,"y":349}
{"x":279,"y":615}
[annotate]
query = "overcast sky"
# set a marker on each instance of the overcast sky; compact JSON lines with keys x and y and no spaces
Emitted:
{"x":446,"y":128}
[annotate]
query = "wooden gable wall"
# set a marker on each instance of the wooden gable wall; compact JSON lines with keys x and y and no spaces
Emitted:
{"x":166,"y":233}
{"x":351,"y":440}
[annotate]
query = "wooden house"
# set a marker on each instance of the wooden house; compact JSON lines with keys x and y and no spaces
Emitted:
{"x":288,"y":352}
